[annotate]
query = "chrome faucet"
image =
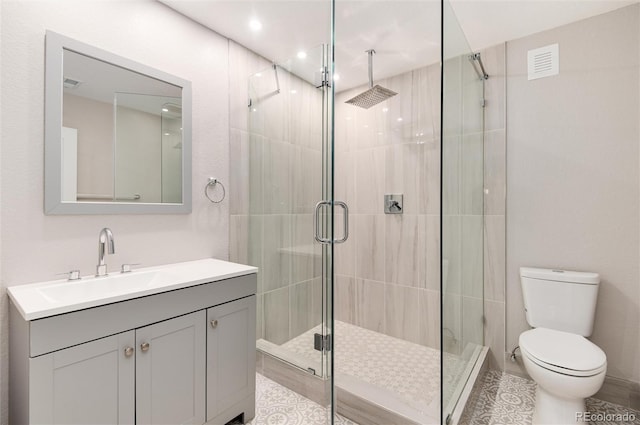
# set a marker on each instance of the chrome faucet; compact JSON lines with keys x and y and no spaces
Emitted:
{"x":105,"y":240}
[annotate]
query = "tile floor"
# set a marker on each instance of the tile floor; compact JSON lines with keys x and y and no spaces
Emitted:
{"x":502,"y":399}
{"x":509,"y":399}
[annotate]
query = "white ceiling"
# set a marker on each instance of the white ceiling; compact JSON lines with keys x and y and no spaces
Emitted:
{"x":404,"y":33}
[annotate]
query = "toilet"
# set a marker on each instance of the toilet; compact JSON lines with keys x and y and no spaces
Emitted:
{"x":567,"y":368}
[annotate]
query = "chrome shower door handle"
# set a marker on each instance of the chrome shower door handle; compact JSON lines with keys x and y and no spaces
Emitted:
{"x":345,"y":221}
{"x":316,"y":219}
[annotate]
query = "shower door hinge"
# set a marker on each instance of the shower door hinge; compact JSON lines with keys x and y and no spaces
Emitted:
{"x":483,"y":103}
{"x":448,"y":420}
{"x":322,"y":342}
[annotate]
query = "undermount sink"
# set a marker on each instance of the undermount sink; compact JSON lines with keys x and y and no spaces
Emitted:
{"x":39,"y":300}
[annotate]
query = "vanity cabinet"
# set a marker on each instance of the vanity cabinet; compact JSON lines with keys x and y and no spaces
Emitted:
{"x":181,"y":357}
{"x":93,"y":380}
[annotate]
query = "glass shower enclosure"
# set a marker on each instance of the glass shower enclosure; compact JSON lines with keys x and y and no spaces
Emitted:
{"x":392,"y":317}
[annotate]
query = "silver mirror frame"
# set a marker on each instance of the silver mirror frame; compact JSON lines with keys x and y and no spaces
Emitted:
{"x":53,"y":204}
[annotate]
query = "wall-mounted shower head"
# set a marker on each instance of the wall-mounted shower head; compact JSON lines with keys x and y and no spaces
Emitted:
{"x":375,"y":94}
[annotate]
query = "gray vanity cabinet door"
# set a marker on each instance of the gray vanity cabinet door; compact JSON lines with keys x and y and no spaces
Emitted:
{"x":170,"y":368}
{"x":231,"y":348}
{"x":91,"y":383}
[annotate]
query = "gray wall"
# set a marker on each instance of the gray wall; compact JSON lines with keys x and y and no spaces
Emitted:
{"x":573,"y":174}
{"x":35,"y":246}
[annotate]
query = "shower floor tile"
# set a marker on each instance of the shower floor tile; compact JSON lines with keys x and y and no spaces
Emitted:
{"x":278,"y":405}
{"x":509,"y":399}
{"x":408,"y":370}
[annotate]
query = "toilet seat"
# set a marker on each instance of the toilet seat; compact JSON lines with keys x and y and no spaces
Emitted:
{"x":563,"y":352}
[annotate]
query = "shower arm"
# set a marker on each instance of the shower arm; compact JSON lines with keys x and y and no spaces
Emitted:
{"x":371,"y":52}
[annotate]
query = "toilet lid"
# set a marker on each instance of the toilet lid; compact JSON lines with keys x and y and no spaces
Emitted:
{"x":565,"y":352}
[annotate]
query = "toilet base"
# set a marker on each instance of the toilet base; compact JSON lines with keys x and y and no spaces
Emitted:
{"x":551,"y":409}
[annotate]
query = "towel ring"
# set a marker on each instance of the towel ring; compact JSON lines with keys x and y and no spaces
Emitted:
{"x":211,"y":183}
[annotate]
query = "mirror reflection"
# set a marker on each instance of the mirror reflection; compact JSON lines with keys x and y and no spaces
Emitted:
{"x":121,"y":134}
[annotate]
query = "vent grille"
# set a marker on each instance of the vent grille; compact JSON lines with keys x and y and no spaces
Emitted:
{"x":543,"y":62}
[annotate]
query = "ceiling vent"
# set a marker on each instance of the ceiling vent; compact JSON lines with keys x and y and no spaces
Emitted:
{"x":543,"y":62}
{"x":70,"y":83}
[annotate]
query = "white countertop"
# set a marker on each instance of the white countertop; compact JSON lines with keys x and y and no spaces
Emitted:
{"x":44,"y":299}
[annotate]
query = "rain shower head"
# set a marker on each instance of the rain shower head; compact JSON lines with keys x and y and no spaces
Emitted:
{"x":375,"y":94}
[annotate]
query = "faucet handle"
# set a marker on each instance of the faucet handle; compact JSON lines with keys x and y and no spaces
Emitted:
{"x":71,"y":274}
{"x":128,"y":267}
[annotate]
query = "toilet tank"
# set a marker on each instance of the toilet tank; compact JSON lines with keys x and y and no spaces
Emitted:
{"x":559,"y":299}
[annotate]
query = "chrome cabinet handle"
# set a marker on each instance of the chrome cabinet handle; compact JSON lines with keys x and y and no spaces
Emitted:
{"x":214,"y":324}
{"x":345,"y":221}
{"x":144,"y":346}
{"x":128,"y":352}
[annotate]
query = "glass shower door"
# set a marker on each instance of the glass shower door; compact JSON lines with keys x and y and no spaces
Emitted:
{"x":462,"y":286}
{"x":290,"y":220}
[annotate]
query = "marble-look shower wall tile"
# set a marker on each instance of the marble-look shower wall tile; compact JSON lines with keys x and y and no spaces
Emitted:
{"x":472,"y":255}
{"x":345,"y":299}
{"x":244,"y":63}
{"x":370,"y":181}
{"x":426,"y":103}
{"x":495,"y":87}
{"x":472,"y":171}
{"x":277,"y":177}
{"x":430,"y":186}
{"x":256,"y":173}
{"x":276,"y":265}
{"x":404,"y":249}
{"x":316,"y":301}
{"x":494,"y":333}
{"x":276,"y":315}
{"x":300,"y":308}
{"x":402,"y":312}
{"x":306,"y":179}
{"x":451,"y":174}
{"x":432,"y":254}
{"x":494,"y":258}
{"x":254,"y":246}
{"x":370,"y":305}
{"x":452,"y":254}
{"x":306,"y":255}
{"x":239,"y":174}
{"x":452,"y":99}
{"x":452,"y":323}
{"x":399,"y":114}
{"x":472,"y":95}
{"x":405,"y":174}
{"x":472,"y":321}
{"x":370,"y":245}
{"x":259,"y":316}
{"x":239,"y":238}
{"x":345,"y":177}
{"x":430,"y":318}
{"x":274,"y":106}
{"x":495,"y":177}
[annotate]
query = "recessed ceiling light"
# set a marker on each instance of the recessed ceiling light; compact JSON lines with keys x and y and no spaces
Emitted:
{"x":255,"y":25}
{"x":166,"y":134}
{"x":385,"y":109}
{"x":294,"y":91}
{"x":165,"y":110}
{"x":302,"y":55}
{"x":399,"y":119}
{"x":336,"y":77}
{"x":258,"y":75}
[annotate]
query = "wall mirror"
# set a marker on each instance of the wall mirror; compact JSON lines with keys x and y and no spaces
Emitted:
{"x":117,"y":134}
